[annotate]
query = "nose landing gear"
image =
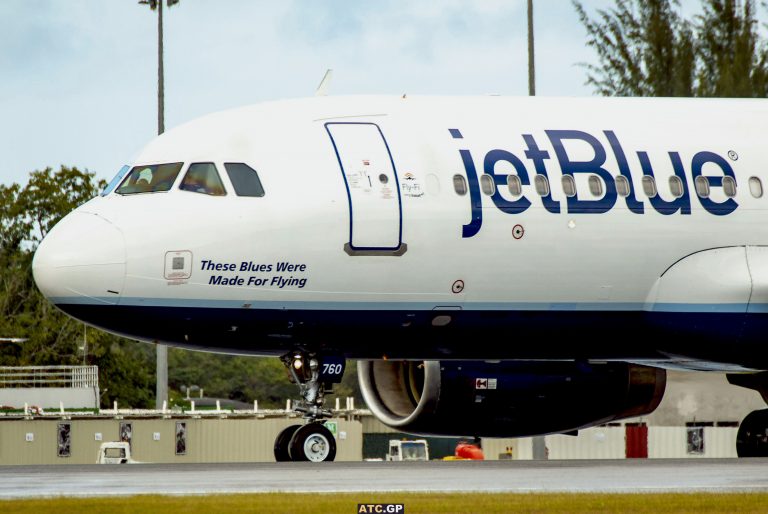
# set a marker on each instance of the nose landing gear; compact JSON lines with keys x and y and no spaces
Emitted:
{"x":314,"y":375}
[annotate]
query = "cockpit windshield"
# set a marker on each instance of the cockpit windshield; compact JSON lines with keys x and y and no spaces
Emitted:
{"x":116,"y":180}
{"x":150,"y":179}
{"x":202,"y":177}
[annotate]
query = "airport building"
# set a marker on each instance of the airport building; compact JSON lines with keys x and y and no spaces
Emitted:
{"x":698,"y":417}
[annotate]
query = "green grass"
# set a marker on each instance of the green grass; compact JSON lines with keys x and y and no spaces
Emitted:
{"x":453,"y":503}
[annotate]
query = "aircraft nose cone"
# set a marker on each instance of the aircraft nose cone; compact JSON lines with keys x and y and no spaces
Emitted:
{"x":82,"y":259}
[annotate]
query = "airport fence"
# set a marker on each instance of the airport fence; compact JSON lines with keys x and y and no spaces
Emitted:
{"x":33,"y":377}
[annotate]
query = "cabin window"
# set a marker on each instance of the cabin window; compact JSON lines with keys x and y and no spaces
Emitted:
{"x":702,"y":186}
{"x":729,"y":186}
{"x":595,"y":186}
{"x":150,"y":179}
{"x":542,"y":185}
{"x":569,"y":185}
{"x":487,"y":185}
{"x":460,"y":185}
{"x":202,"y":177}
{"x":622,"y":186}
{"x":514,"y":185}
{"x":649,"y":186}
{"x":756,"y":187}
{"x":244,"y":179}
{"x":676,"y":186}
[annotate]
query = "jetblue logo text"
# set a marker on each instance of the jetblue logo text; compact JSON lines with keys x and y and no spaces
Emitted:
{"x":380,"y":508}
{"x":537,"y":158}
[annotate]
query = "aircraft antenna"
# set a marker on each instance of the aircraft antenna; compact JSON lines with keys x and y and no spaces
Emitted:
{"x":325,"y":84}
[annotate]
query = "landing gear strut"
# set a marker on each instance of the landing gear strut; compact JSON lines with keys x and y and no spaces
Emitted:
{"x":314,"y":374}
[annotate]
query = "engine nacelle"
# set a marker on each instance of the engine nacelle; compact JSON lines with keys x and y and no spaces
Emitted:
{"x":508,"y":398}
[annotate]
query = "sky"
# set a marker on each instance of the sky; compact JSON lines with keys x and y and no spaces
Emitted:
{"x":78,"y":78}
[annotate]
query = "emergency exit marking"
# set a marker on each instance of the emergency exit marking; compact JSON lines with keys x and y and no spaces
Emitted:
{"x":332,"y":427}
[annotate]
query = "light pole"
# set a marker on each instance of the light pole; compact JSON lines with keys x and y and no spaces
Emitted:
{"x":531,"y":61}
{"x":161,"y":383}
{"x":539,"y":442}
{"x":157,"y":5}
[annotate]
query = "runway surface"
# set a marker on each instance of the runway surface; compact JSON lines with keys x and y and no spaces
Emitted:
{"x":690,"y":475}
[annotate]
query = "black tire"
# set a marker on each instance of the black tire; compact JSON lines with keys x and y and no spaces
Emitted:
{"x":752,"y":438}
{"x":282,"y":441}
{"x":313,"y":442}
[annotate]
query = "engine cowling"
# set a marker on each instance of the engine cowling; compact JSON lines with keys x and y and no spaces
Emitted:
{"x":508,"y":398}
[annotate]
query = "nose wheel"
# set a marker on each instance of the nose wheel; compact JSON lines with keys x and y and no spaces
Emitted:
{"x":282,"y":441}
{"x":312,"y":442}
{"x":314,"y":374}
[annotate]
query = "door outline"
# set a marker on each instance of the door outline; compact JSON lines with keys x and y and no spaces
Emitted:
{"x":349,"y":248}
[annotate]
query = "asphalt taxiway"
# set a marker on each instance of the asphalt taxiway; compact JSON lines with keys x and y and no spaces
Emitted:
{"x":690,"y":475}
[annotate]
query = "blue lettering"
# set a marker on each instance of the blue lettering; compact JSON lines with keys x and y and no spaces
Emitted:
{"x":633,"y":204}
{"x":287,"y":266}
{"x":683,"y":203}
{"x":218,"y":280}
{"x":489,"y":166}
{"x":475,"y":201}
{"x":256,"y":281}
{"x":282,"y":282}
{"x":538,"y":156}
{"x":592,"y":167}
{"x":697,"y":165}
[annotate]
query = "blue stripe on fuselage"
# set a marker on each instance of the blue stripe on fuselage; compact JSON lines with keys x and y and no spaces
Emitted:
{"x":416,"y":306}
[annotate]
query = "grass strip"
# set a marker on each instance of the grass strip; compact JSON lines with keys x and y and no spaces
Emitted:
{"x":347,"y":503}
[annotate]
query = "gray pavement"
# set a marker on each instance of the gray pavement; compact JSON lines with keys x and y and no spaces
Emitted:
{"x":690,"y":475}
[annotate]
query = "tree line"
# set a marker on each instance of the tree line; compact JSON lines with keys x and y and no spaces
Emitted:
{"x":649,"y":48}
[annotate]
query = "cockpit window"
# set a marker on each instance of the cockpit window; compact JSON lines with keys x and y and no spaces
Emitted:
{"x":116,"y":180}
{"x":244,"y":179}
{"x":202,"y":177}
{"x":150,"y":179}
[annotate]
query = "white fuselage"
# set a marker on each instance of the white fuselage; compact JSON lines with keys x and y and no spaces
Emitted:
{"x":332,"y":237}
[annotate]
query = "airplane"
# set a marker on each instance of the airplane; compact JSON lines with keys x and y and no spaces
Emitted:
{"x":500,"y":266}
